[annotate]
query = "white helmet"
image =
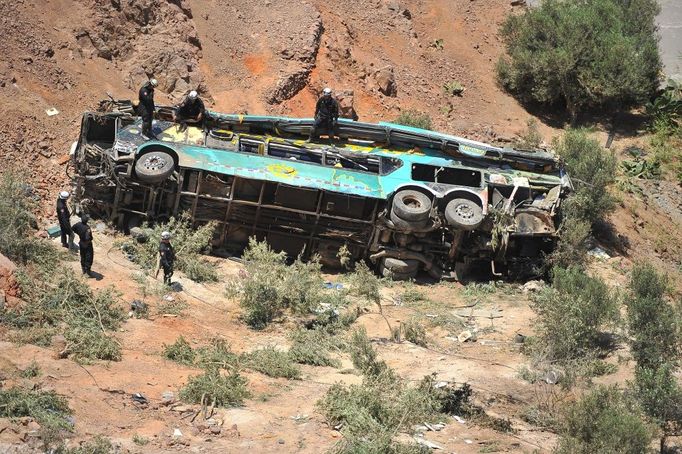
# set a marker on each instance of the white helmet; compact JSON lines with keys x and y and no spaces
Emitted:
{"x":64,"y":195}
{"x":165,"y":235}
{"x":154,"y":82}
{"x":193,"y":94}
{"x":327,"y":91}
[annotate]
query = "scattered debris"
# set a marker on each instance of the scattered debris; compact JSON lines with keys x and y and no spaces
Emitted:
{"x":459,"y":419}
{"x":168,"y":398}
{"x":139,"y":307}
{"x":51,"y":112}
{"x":140,"y":399}
{"x":333,"y":285}
{"x":598,"y":253}
{"x":519,"y":338}
{"x":552,"y":377}
{"x":427,"y":443}
{"x":177,"y":433}
{"x":532,"y":286}
{"x":464,"y":336}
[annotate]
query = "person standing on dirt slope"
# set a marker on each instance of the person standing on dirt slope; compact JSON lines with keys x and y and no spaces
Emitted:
{"x":326,"y":115}
{"x":82,"y":229}
{"x":147,"y":106}
{"x":166,"y":257}
{"x":191,"y":110}
{"x":64,"y":218}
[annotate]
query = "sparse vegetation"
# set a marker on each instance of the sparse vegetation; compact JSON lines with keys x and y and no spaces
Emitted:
{"x":453,"y":88}
{"x":571,"y":316}
{"x":17,"y":223}
{"x":371,"y":413}
{"x":556,"y":54}
{"x":413,"y":331}
{"x":214,"y":387}
{"x":180,"y":351}
{"x":140,"y":440}
{"x":273,"y":363}
{"x":656,"y":344}
{"x":31,"y":371}
{"x":49,"y":409}
{"x":98,"y":445}
{"x":60,"y":302}
{"x":604,"y":421}
{"x":415,"y":119}
{"x":217,"y":354}
{"x":531,"y":138}
{"x":313,"y":346}
{"x":268,"y":286}
{"x":189,"y":242}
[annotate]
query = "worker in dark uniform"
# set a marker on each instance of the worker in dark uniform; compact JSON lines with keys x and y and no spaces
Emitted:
{"x":146,"y":108}
{"x":64,"y":217}
{"x":166,"y":257}
{"x":190,"y":111}
{"x":82,"y":229}
{"x":326,"y":115}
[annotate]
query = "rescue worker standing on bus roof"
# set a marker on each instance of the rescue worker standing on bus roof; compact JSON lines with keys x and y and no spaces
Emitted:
{"x":82,"y":229}
{"x":64,"y":217}
{"x":166,"y":257}
{"x":190,"y":111}
{"x":326,"y":116}
{"x":146,"y":108}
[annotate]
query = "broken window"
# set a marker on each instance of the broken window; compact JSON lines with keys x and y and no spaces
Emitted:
{"x":446,"y":175}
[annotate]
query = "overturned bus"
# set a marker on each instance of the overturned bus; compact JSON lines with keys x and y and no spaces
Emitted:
{"x":405,"y":199}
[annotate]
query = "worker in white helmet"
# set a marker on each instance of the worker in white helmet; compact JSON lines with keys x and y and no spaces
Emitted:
{"x":166,"y":257}
{"x":326,"y":116}
{"x":146,"y":107}
{"x":64,"y":217}
{"x":190,"y":111}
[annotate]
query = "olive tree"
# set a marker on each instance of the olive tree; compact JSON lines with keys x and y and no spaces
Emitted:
{"x":595,"y":54}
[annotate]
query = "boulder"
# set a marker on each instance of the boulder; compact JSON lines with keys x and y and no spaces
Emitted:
{"x":346,"y":108}
{"x":385,"y":80}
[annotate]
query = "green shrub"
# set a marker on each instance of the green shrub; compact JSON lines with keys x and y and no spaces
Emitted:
{"x":217,"y":355}
{"x":61,"y":302}
{"x":87,"y":341}
{"x":268,"y":286}
{"x":571,"y":249}
{"x":31,"y":371}
{"x":98,"y":445}
{"x":592,"y":169}
{"x":364,"y":283}
{"x":312,"y":346}
{"x":189,"y":243}
{"x":665,"y":111}
{"x":415,"y":119}
{"x":180,"y":351}
{"x":656,"y":344}
{"x":531,"y":137}
{"x":604,"y":421}
{"x":214,"y":387}
{"x":453,"y":88}
{"x":48,"y":408}
{"x":364,"y":356}
{"x":273,"y":363}
{"x":18,"y":223}
{"x":600,"y":54}
{"x":571,"y":315}
{"x":414,"y":332}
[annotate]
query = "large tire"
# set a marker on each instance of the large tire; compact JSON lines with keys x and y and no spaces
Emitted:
{"x":154,"y":167}
{"x":402,"y":224}
{"x":396,"y":275}
{"x":463,"y":214}
{"x":411,"y":205}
